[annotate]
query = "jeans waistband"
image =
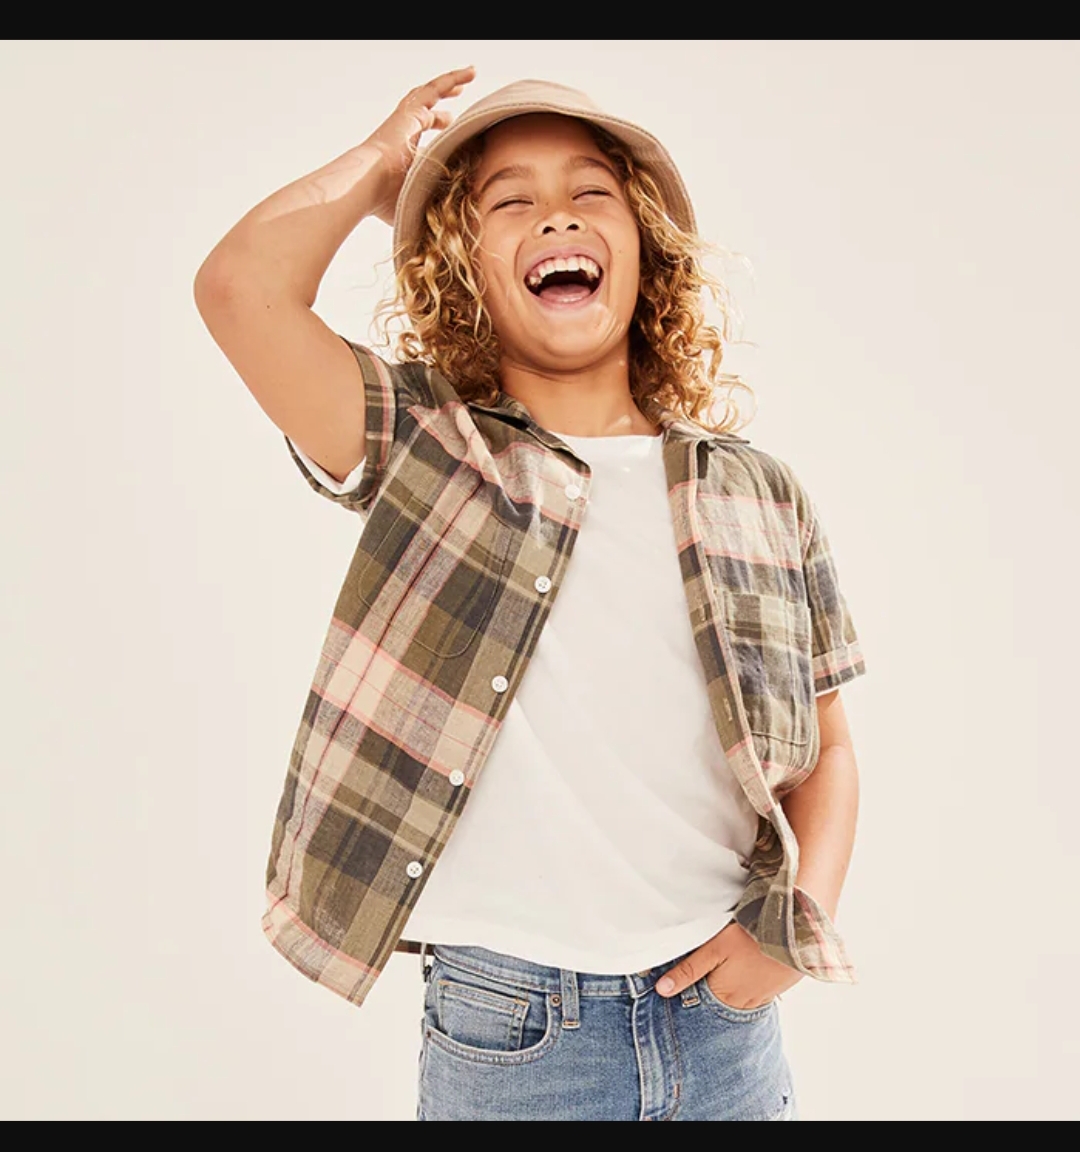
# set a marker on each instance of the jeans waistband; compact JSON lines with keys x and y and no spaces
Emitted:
{"x":542,"y":978}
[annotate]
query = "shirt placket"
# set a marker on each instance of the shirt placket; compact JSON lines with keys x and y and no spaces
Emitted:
{"x":567,"y":503}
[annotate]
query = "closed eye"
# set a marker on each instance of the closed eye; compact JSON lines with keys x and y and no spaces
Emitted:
{"x":591,"y":192}
{"x":507,"y":202}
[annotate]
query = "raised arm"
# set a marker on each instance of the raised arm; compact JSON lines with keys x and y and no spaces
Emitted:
{"x":256,"y":289}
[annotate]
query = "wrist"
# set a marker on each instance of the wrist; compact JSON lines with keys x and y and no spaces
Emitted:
{"x":360,"y":177}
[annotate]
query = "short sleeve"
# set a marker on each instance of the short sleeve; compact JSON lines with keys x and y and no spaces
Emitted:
{"x":337,"y":487}
{"x":388,"y":390}
{"x":837,"y":655}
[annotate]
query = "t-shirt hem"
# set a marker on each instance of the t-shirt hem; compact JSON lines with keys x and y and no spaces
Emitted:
{"x":664,"y":947}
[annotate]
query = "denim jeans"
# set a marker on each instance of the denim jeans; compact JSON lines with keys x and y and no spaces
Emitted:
{"x":506,"y":1039}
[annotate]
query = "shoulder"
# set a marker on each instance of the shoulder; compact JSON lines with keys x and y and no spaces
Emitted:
{"x":743,"y":468}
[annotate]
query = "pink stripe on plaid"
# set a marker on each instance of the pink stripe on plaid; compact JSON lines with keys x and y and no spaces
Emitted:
{"x":755,"y":501}
{"x":826,"y":966}
{"x":838,"y":660}
{"x":519,"y":479}
{"x":751,"y":557}
{"x":738,"y":527}
{"x":438,"y":601}
{"x":279,"y":919}
{"x":470,"y":722}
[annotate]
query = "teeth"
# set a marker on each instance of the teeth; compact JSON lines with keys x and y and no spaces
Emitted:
{"x":568,"y":264}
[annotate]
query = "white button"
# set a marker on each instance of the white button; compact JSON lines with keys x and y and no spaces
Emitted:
{"x":542,"y":584}
{"x":572,"y":491}
{"x":414,"y":868}
{"x":457,"y":777}
{"x":500,"y":683}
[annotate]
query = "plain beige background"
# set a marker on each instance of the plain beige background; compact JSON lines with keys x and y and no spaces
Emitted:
{"x":910,"y":210}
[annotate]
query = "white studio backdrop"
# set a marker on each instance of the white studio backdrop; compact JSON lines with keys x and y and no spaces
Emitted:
{"x":909,"y":210}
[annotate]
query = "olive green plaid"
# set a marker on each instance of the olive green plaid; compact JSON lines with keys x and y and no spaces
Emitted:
{"x":463,"y":507}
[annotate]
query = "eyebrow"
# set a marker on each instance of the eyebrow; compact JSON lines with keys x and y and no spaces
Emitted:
{"x":524,"y":171}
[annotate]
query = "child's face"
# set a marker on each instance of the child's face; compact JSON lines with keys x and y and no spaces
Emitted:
{"x":546,"y":192}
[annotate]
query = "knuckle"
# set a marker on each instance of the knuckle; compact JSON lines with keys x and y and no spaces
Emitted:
{"x":686,"y":972}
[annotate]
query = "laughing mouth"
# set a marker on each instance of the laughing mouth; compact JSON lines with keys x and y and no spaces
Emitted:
{"x":565,"y":280}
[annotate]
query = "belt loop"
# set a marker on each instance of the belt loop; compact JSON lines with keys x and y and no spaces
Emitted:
{"x":570,"y":1011}
{"x":690,"y":997}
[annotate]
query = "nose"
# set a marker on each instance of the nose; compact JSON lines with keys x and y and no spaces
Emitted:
{"x":559,"y":219}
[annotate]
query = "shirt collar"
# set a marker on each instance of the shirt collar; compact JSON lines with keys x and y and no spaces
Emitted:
{"x":675,"y":426}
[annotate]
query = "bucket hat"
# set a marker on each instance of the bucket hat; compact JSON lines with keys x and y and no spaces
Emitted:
{"x":519,"y":99}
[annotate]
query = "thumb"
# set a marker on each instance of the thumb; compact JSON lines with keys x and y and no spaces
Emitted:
{"x":688,"y":971}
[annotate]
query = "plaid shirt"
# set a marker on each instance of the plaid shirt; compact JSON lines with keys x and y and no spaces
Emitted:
{"x":471,"y":515}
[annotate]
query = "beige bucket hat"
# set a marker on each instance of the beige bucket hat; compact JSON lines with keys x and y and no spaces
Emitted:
{"x":519,"y":99}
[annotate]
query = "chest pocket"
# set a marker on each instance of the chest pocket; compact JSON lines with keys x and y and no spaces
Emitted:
{"x":770,"y":636}
{"x":431,"y":568}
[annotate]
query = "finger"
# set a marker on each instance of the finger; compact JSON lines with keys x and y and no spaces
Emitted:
{"x":688,"y":971}
{"x":741,"y":1003}
{"x":428,"y":120}
{"x":447,"y":85}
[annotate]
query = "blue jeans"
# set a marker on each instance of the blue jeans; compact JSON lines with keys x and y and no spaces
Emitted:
{"x":505,"y":1039}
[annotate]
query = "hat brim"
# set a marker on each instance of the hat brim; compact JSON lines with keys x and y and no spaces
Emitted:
{"x":430,"y":164}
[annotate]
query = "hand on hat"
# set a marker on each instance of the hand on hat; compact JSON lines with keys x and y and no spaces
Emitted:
{"x":397,"y":138}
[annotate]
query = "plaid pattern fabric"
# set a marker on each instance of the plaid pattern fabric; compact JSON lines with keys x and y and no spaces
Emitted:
{"x":464,"y":507}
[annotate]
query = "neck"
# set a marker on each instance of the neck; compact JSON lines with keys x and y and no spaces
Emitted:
{"x":592,"y":401}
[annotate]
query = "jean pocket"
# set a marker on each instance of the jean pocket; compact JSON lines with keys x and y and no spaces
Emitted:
{"x":486,"y":1021}
{"x":734,"y":1015}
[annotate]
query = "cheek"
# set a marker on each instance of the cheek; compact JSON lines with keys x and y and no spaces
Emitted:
{"x":629,"y":281}
{"x":626,"y":245}
{"x":498,"y":277}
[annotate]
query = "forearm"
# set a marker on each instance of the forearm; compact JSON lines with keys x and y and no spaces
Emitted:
{"x":822,"y":812}
{"x":280,"y":250}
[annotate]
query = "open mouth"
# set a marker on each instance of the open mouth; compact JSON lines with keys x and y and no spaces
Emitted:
{"x":565,"y":280}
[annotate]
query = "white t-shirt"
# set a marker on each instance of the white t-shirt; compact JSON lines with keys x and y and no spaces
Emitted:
{"x":606,"y":832}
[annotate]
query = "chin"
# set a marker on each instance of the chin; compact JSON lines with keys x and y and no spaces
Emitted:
{"x":569,"y":350}
{"x":568,"y":357}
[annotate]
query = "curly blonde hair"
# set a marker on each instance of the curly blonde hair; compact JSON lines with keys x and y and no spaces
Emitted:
{"x":675,"y":354}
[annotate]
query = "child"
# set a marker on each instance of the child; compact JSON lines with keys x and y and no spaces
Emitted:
{"x":637,"y":752}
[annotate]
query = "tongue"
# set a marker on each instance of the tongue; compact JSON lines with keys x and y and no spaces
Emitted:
{"x":565,"y":293}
